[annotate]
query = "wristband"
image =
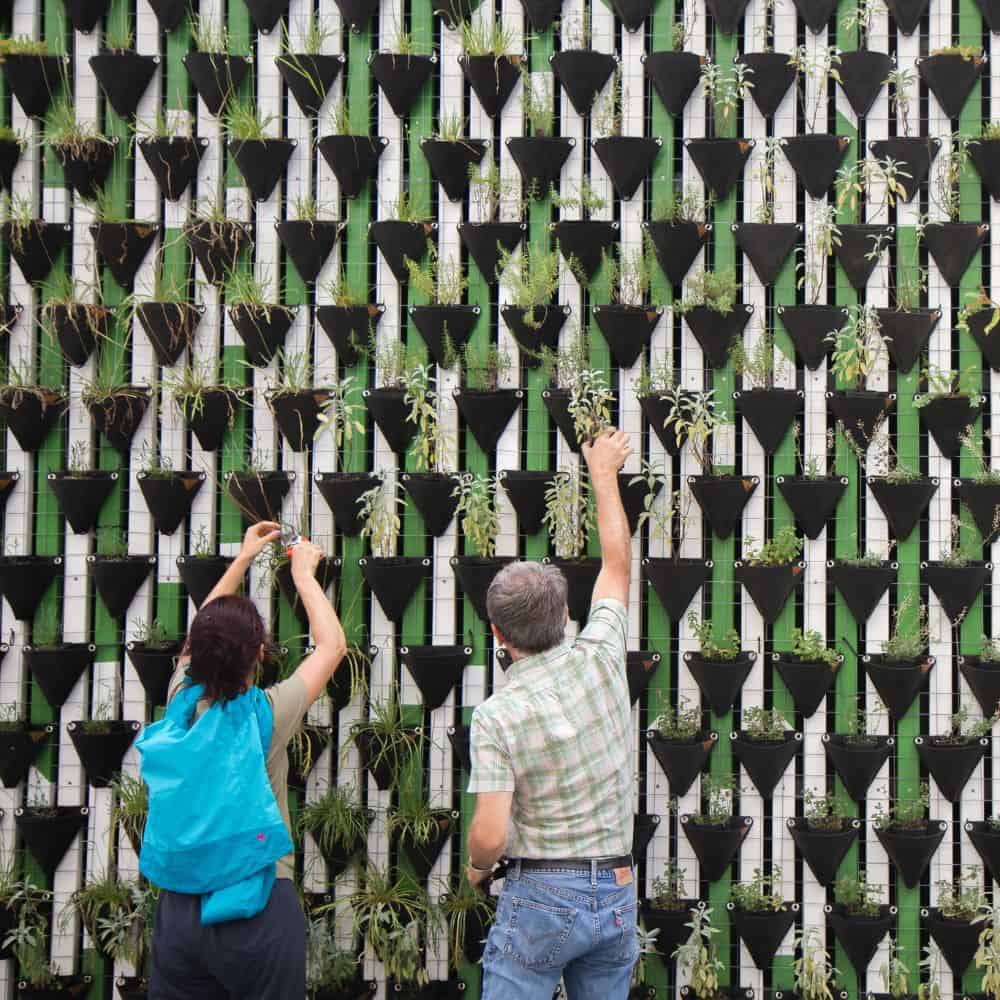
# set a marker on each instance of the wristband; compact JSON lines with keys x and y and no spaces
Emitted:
{"x":480,"y":871}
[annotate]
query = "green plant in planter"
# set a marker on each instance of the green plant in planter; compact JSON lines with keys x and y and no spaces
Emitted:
{"x":570,"y":513}
{"x":20,"y":379}
{"x":814,"y":972}
{"x":590,"y":404}
{"x":962,"y":730}
{"x":859,"y":180}
{"x":118,"y":916}
{"x":189,"y":386}
{"x":490,"y":191}
{"x":487,"y":38}
{"x":428,"y":448}
{"x":66,"y":291}
{"x":630,"y":275}
{"x":482,"y":368}
{"x":27,"y":938}
{"x":824,"y":812}
{"x":675,"y":506}
{"x":646,"y":942}
{"x":698,"y":957}
{"x":668,"y":890}
{"x":152,"y":634}
{"x":987,"y":955}
{"x":964,"y":899}
{"x":413,"y":819}
{"x":943,"y":383}
{"x":782,"y":550}
{"x":65,"y":133}
{"x":329,"y":968}
{"x":948,"y":169}
{"x":538,"y":102}
{"x":131,"y":805}
{"x":856,"y":726}
{"x":379,"y":511}
{"x":340,"y":413}
{"x":813,"y":68}
{"x":153,"y":463}
{"x":717,"y":793}
{"x":695,"y":420}
{"x":455,"y":910}
{"x":725,"y":89}
{"x":442,"y":281}
{"x":530,"y":277}
{"x":342,"y":292}
{"x":757,"y":362}
{"x":761,"y":894}
{"x":244,"y":122}
{"x":811,"y":647}
{"x":336,"y":821}
{"x":894,"y":971}
{"x":714,"y":290}
{"x":681,"y":723}
{"x":905,"y":641}
{"x":858,"y":897}
{"x":393,"y":744}
{"x":22,"y":45}
{"x":609,"y":114}
{"x":477,"y":511}
{"x":725,"y":646}
{"x":209,"y":34}
{"x":763,"y":725}
{"x":683,"y":204}
{"x":984,"y":472}
{"x":904,"y":812}
{"x":857,"y":347}
{"x":980,"y":302}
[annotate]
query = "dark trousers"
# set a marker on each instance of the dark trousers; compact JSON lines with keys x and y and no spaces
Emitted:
{"x":263,"y":958}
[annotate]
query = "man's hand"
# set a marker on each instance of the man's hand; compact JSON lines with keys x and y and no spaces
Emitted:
{"x":258,"y":535}
{"x":475,"y":876}
{"x":606,"y":454}
{"x":305,"y":559}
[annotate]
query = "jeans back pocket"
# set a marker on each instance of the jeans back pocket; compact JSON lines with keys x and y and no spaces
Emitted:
{"x":537,"y":933}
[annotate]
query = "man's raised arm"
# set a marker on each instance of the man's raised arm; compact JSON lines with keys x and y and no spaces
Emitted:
{"x":605,"y":456}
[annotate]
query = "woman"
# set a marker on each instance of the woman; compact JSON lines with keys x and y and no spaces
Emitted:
{"x":194,"y":954}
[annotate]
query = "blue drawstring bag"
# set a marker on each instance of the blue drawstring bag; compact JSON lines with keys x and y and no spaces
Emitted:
{"x":214,"y":828}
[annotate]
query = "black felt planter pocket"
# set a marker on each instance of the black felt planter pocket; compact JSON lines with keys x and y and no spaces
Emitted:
{"x":985,"y":156}
{"x":8,"y":482}
{"x":258,"y":495}
{"x":952,"y":245}
{"x":436,"y":670}
{"x":813,"y":501}
{"x":437,"y":324}
{"x":309,"y":77}
{"x":309,"y":243}
{"x":816,"y":159}
{"x":903,"y":503}
{"x":217,"y":247}
{"x":155,"y":666}
{"x":20,"y":745}
{"x":582,"y":74}
{"x":349,"y":328}
{"x":854,"y":252}
{"x":401,"y":78}
{"x":132,"y":987}
{"x":906,"y":332}
{"x":676,"y":244}
{"x":671,"y":924}
{"x":169,"y":13}
{"x":422,"y":856}
{"x":719,"y":161}
{"x":809,"y":327}
{"x":769,"y":586}
{"x":983,"y":677}
{"x":57,"y":668}
{"x":458,"y":737}
{"x":857,"y":760}
{"x":327,"y":573}
{"x":77,"y":328}
{"x":716,"y":845}
{"x":124,"y":77}
{"x":102,"y":752}
{"x":950,"y":77}
{"x":634,"y":495}
{"x":48,"y":832}
{"x":950,"y":764}
{"x":357,"y":13}
{"x":450,"y":162}
{"x":81,"y":496}
{"x":216,"y":76}
{"x":956,"y":587}
{"x":643,"y":827}
{"x":986,"y":840}
{"x":584,"y":244}
{"x":354,"y":678}
{"x":174,"y":162}
{"x":265,"y":14}
{"x":957,"y":939}
{"x":720,"y":681}
{"x":492,"y":79}
{"x":808,"y":682}
{"x":767,"y":245}
{"x":10,"y":153}
{"x":526,"y":490}
{"x":822,"y":849}
{"x":765,"y":761}
{"x":897,"y":682}
{"x":628,"y":160}
{"x":534,"y":329}
{"x":557,"y":403}
{"x":722,"y":499}
{"x":401,"y":240}
{"x":770,"y":413}
{"x":35,"y":246}
{"x":676,"y":581}
{"x":978,"y":324}
{"x":762,"y":933}
{"x":433,"y":494}
{"x":913,"y":155}
{"x":539,"y":159}
{"x":210,"y":420}
{"x":24,"y":581}
{"x":315,"y":739}
{"x":911,"y":850}
{"x":394,"y":580}
{"x":474,"y":575}
{"x":486,"y":240}
{"x":297,"y":416}
{"x":117,"y":579}
{"x":627,"y":329}
{"x":863,"y":74}
{"x":581,"y":575}
{"x":262,"y":329}
{"x":62,"y":987}
{"x":716,"y":332}
{"x":860,"y":412}
{"x":861,"y":587}
{"x":389,"y":409}
{"x":377,"y":758}
{"x":658,"y":408}
{"x":773,"y":73}
{"x":200,"y":574}
{"x":122,"y":246}
{"x":169,"y":496}
{"x":541,"y":13}
{"x":640,"y":665}
{"x":682,"y":760}
{"x":341,"y":491}
{"x":34,"y":79}
{"x":338,"y":856}
{"x":947,"y":417}
{"x":353,"y":159}
{"x":860,"y":935}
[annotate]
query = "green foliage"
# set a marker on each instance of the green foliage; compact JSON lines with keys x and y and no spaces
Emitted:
{"x":763,"y":725}
{"x":856,"y":726}
{"x":590,"y":403}
{"x":441,"y":281}
{"x":757,"y":363}
{"x":725,"y":89}
{"x":698,"y":958}
{"x":22,"y":45}
{"x":490,"y":190}
{"x":668,"y":889}
{"x":824,"y":812}
{"x":328,"y":967}
{"x":857,"y":347}
{"x":717,"y":796}
{"x":908,"y":640}
{"x":724,"y":646}
{"x":570,"y":513}
{"x":336,"y":821}
{"x":209,"y":33}
{"x":945,"y":384}
{"x":530,"y":277}
{"x":987,"y":955}
{"x":964,"y":899}
{"x":341,"y":413}
{"x":415,"y":820}
{"x":782,"y":550}
{"x":27,"y":938}
{"x":538,"y":104}
{"x":761,"y":894}
{"x":428,"y":444}
{"x":118,"y":916}
{"x":681,"y":723}
{"x":810,"y":647}
{"x":907,"y":812}
{"x":456,"y":909}
{"x":715,"y":290}
{"x":379,"y":512}
{"x":857,"y":895}
{"x":394,"y":744}
{"x":64,"y":132}
{"x":483,"y":367}
{"x":152,"y":634}
{"x":482,"y":37}
{"x":477,"y":512}
{"x":814,"y":972}
{"x":894,"y":971}
{"x":243,"y":121}
{"x":682,"y":204}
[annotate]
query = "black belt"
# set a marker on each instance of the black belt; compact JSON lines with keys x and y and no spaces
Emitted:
{"x":583,"y":864}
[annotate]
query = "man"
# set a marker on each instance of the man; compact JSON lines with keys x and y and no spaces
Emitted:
{"x":551,"y":767}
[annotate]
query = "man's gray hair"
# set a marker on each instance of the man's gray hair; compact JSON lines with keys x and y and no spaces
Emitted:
{"x":527,"y":603}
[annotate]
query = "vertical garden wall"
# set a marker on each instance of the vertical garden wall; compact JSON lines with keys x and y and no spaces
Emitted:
{"x":259,"y":258}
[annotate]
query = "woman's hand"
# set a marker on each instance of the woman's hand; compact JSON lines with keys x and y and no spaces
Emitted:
{"x":305,"y":560}
{"x":259,"y":535}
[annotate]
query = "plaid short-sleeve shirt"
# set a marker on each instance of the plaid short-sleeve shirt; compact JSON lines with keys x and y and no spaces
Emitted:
{"x":558,"y":737}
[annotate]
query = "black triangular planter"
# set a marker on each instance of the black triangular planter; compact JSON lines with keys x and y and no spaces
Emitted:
{"x":8,"y":483}
{"x":48,"y":832}
{"x":458,"y":737}
{"x":816,"y":159}
{"x":719,"y":161}
{"x":30,"y":417}
{"x":676,"y":581}
{"x":81,"y":496}
{"x":483,"y":240}
{"x":911,"y":850}
{"x":262,"y":163}
{"x":357,"y":13}
{"x":341,"y":688}
{"x":634,"y":490}
{"x":216,"y":77}
{"x":727,"y":14}
{"x":450,"y":163}
{"x":124,"y":77}
{"x":353,"y":159}
{"x":265,"y":14}
{"x":557,"y":403}
{"x":946,"y":417}
{"x":716,"y":332}
{"x":985,"y":156}
{"x":170,"y":327}
{"x":349,"y":328}
{"x":907,"y":14}
{"x":903,"y":503}
{"x":10,"y":153}
{"x":24,"y":581}
{"x":262,"y":329}
{"x":772,"y":74}
{"x":56,"y":669}
{"x":118,"y":579}
{"x":432,"y":494}
{"x":857,"y":762}
{"x":300,"y":765}
{"x":585,"y":242}
{"x":297,"y":416}
{"x":762,"y":933}
{"x":985,"y":341}
{"x":950,"y":764}
{"x":862,"y":76}
{"x":823,"y":850}
{"x":34,"y":79}
{"x":628,"y":159}
{"x":399,"y":241}
{"x":215,"y":416}
{"x":540,"y":161}
{"x":672,"y":925}
{"x":258,"y":495}
{"x":657,"y":408}
{"x":541,"y":13}
{"x":808,"y":682}
{"x":309,"y":77}
{"x":957,"y":939}
{"x":487,"y":413}
{"x":526,"y":490}
{"x":169,"y":497}
{"x":674,"y":75}
{"x":983,"y":502}
{"x":640,"y":665}
{"x":200,"y":574}
{"x":765,"y":762}
{"x":769,"y":586}
{"x":860,"y":412}
{"x":102,"y":753}
{"x":914,"y":156}
{"x":990,"y":9}
{"x":492,"y":79}
{"x":122,"y":246}
{"x":898,"y":683}
{"x":401,"y":78}
{"x":770,"y":412}
{"x":394,"y":581}
{"x":389,"y":409}
{"x":643,"y":827}
{"x":720,"y":681}
{"x":856,"y":242}
{"x":35,"y":245}
{"x":716,"y":846}
{"x":169,"y":13}
{"x":423,"y":857}
{"x":768,"y":245}
{"x":77,"y":328}
{"x":861,"y":587}
{"x":327,"y":573}
{"x":722,"y":499}
{"x":132,"y":987}
{"x":84,"y":14}
{"x":474,"y":575}
{"x":20,"y":745}
{"x":435,"y":323}
{"x":860,"y":935}
{"x":906,"y":332}
{"x":983,"y":678}
{"x":374,"y":761}
{"x":341,"y":491}
{"x":809,"y":326}
{"x":813,"y":501}
{"x":547,"y":322}
{"x":950,"y":77}
{"x":155,"y":667}
{"x":174,"y":162}
{"x":581,"y":575}
{"x":436,"y":670}
{"x":62,"y":987}
{"x":956,"y":587}
{"x":118,"y":418}
{"x":217,"y":247}
{"x":682,"y":760}
{"x":583,"y":74}
{"x":627,"y":329}
{"x":986,"y":840}
{"x":308,"y":243}
{"x":952,"y":245}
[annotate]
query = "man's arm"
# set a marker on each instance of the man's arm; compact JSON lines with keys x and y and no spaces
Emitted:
{"x":605,"y":456}
{"x":488,"y":833}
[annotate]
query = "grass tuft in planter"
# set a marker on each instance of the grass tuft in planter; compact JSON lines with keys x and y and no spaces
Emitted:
{"x":338,"y":823}
{"x":118,"y":916}
{"x":131,"y":798}
{"x":386,"y":744}
{"x":467,"y":914}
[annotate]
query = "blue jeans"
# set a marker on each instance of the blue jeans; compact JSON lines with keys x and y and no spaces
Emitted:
{"x":561,"y":923}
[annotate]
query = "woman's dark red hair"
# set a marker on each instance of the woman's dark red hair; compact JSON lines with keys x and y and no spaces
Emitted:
{"x":224,"y":642}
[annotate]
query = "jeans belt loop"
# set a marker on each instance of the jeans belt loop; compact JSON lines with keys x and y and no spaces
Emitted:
{"x":593,"y":874}
{"x":517,"y":869}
